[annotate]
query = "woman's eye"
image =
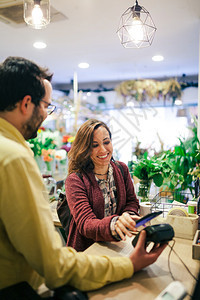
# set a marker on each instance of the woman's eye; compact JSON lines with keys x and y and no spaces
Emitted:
{"x":106,"y":143}
{"x":95,"y":145}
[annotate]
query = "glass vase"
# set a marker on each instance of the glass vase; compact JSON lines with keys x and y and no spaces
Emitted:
{"x":62,"y":166}
{"x":50,"y":167}
{"x":143,"y":190}
{"x":40,"y":163}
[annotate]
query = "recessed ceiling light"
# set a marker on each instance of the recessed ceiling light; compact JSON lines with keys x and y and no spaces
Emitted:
{"x":157,"y":58}
{"x":39,"y":45}
{"x":83,"y":65}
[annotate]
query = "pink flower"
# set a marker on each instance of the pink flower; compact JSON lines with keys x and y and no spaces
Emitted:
{"x":66,"y":147}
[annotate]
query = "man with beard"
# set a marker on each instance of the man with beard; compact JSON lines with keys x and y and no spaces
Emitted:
{"x":30,"y":249}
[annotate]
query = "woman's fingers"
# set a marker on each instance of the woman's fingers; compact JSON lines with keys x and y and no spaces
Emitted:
{"x":123,"y":229}
{"x":124,"y":224}
{"x":120,"y":233}
{"x":135,"y":217}
{"x":127,"y":220}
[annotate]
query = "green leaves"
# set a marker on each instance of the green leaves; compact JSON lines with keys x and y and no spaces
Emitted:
{"x":186,"y":158}
{"x":173,"y":169}
{"x":158,"y":179}
{"x":159,"y":169}
{"x":44,"y":140}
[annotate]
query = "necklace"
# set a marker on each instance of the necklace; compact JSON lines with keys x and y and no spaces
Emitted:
{"x":101,"y":174}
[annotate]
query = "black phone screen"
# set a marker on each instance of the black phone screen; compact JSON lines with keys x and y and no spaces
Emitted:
{"x":147,"y":218}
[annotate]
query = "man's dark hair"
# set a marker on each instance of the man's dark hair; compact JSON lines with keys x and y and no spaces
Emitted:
{"x":20,"y":77}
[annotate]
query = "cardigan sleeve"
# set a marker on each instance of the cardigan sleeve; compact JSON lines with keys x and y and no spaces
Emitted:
{"x":88,"y":224}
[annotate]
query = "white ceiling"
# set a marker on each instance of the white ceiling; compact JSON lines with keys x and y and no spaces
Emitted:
{"x":89,"y":34}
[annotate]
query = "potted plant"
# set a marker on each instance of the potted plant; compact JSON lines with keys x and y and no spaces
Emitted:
{"x":160,"y":170}
{"x":187,"y":158}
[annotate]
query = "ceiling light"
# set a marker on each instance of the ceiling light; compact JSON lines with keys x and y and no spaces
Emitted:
{"x":157,"y":58}
{"x":178,"y":102}
{"x":39,"y":45}
{"x":37,"y":13}
{"x":136,"y":29}
{"x":83,"y":65}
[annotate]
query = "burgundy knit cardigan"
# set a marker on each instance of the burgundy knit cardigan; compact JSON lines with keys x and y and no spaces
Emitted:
{"x":86,"y":203}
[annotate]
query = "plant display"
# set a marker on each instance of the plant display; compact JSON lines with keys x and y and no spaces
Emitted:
{"x":46,"y":148}
{"x":159,"y":169}
{"x":187,"y":159}
{"x":67,"y":142}
{"x":45,"y":139}
{"x":195,"y":172}
{"x":142,"y":90}
{"x":175,"y":169}
{"x":48,"y":155}
{"x":138,"y":151}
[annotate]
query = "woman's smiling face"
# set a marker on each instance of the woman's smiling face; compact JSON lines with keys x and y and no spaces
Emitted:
{"x":102,"y":148}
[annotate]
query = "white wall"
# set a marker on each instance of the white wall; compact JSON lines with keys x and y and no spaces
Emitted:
{"x":146,"y":126}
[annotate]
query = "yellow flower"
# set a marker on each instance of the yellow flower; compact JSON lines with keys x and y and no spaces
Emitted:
{"x":71,"y":139}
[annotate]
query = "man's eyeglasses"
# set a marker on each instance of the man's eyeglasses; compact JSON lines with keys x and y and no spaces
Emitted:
{"x":50,"y":107}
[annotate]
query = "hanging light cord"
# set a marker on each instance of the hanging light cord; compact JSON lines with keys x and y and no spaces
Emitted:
{"x":136,"y":4}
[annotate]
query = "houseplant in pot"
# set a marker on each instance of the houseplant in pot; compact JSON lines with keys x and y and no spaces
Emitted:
{"x":158,"y":170}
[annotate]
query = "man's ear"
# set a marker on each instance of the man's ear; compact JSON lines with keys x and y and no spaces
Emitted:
{"x":25,"y":104}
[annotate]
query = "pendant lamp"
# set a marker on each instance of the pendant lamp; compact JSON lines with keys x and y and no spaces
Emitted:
{"x":136,"y":28}
{"x":37,"y":13}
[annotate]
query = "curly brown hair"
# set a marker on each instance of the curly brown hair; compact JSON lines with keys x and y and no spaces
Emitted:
{"x":79,"y":155}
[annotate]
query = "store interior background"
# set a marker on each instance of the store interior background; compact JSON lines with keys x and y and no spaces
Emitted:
{"x":86,"y":31}
{"x":151,"y":124}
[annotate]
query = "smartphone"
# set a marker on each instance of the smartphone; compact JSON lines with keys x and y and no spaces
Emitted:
{"x":147,"y":218}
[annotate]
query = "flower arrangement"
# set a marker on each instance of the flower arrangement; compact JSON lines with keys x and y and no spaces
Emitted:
{"x":60,"y":154}
{"x":142,"y":90}
{"x":68,"y":139}
{"x":48,"y":155}
{"x":43,"y":147}
{"x":67,"y":142}
{"x":61,"y":160}
{"x":45,"y":139}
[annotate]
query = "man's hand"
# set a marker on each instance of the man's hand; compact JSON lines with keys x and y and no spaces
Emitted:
{"x":140,"y":257}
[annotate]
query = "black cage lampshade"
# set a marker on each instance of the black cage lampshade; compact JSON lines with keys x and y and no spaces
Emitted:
{"x":136,"y":28}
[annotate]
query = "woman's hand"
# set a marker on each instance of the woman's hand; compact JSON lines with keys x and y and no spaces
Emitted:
{"x":140,"y":257}
{"x":124,"y":224}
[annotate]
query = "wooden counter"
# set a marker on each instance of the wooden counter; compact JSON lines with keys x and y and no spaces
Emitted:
{"x":149,"y":282}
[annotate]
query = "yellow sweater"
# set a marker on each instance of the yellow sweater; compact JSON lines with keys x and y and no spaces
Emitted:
{"x":30,"y":248}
